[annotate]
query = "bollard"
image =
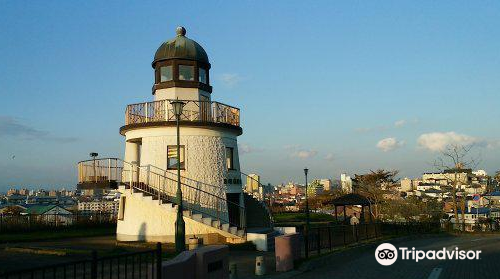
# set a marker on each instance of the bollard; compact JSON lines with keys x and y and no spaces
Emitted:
{"x":193,"y":243}
{"x":260,"y":267}
{"x":233,"y":271}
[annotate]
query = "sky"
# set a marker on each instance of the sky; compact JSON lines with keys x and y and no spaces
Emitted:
{"x":335,"y":86}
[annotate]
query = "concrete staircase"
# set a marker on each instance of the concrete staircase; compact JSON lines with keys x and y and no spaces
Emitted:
{"x":170,"y":206}
{"x":257,"y":212}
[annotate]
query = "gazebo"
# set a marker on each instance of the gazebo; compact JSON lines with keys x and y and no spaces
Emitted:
{"x":353,"y":199}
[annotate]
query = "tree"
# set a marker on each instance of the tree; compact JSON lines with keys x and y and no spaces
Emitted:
{"x":375,"y":186}
{"x":455,"y":160}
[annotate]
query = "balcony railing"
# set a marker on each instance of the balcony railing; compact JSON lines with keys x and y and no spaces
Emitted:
{"x":196,"y":111}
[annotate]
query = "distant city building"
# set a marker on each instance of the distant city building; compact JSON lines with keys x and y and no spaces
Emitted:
{"x":253,"y":182}
{"x":480,"y":173}
{"x":327,"y":184}
{"x":406,"y":185}
{"x":104,"y":206}
{"x":11,"y":192}
{"x":24,"y":192}
{"x":315,"y":188}
{"x":346,"y":183}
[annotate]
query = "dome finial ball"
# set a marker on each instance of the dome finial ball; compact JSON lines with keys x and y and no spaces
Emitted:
{"x":181,"y":31}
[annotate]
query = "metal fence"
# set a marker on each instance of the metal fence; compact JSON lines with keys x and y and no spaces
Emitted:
{"x":34,"y":222}
{"x":325,"y":238}
{"x":140,"y":265}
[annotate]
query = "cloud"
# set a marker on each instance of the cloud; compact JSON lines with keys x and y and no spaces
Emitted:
{"x":304,"y":154}
{"x":230,"y":80}
{"x":439,"y":141}
{"x":400,"y":123}
{"x":12,"y":127}
{"x":295,"y":151}
{"x":389,"y":144}
{"x":329,"y":157}
{"x":244,"y":148}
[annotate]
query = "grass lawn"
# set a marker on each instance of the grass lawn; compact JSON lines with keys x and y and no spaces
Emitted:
{"x":300,"y":218}
{"x":56,"y":234}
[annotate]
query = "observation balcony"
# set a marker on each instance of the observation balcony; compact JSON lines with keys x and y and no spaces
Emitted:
{"x":194,"y":113}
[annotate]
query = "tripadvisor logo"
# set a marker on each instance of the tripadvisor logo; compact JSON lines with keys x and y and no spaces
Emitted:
{"x":387,"y":254}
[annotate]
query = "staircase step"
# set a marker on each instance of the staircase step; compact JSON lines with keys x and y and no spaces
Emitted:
{"x":216,"y":223}
{"x":207,"y":221}
{"x":138,"y":194}
{"x":225,"y":227}
{"x":148,"y":198}
{"x":187,"y":213}
{"x":197,"y":217}
{"x":233,"y":230}
{"x":167,"y":206}
{"x":122,"y":187}
{"x":240,"y":233}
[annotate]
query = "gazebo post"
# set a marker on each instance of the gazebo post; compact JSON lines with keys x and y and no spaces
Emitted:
{"x":362,"y":217}
{"x":336,"y":217}
{"x":345,"y":218}
{"x":370,"y":209}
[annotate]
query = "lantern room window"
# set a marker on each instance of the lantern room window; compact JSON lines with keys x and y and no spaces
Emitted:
{"x":202,"y":75}
{"x":186,"y":72}
{"x":172,"y":157}
{"x":166,"y":73}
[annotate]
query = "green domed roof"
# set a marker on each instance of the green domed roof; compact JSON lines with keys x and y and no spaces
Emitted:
{"x":181,"y":47}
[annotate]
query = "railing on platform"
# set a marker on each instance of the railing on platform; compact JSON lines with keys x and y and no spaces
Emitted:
{"x":140,"y":265}
{"x":199,"y":197}
{"x":197,"y":111}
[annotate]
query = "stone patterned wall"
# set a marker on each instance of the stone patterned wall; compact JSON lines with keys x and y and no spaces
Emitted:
{"x":205,"y":160}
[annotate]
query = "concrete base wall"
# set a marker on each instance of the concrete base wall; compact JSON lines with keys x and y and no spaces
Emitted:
{"x":146,"y":220}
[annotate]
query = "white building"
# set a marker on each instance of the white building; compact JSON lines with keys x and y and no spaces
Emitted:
{"x":213,"y":199}
{"x":102,"y":206}
{"x":327,"y":184}
{"x":346,"y":183}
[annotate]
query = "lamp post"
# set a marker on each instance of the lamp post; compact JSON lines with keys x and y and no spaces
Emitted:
{"x":180,"y":231}
{"x":306,"y":234}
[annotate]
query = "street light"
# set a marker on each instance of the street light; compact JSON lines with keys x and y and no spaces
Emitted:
{"x":180,"y":231}
{"x":306,"y":234}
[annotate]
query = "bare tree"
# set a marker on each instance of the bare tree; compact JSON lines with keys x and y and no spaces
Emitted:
{"x":455,"y":159}
{"x":375,"y":185}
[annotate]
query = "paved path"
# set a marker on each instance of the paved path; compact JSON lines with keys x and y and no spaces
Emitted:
{"x":361,"y":263}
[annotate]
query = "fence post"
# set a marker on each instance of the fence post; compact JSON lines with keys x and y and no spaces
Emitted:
{"x":318,"y":241}
{"x":306,"y":241}
{"x":330,"y":237}
{"x":158,"y":260}
{"x":93,"y":265}
{"x":366,"y":230}
{"x":343,"y":232}
{"x":356,"y":229}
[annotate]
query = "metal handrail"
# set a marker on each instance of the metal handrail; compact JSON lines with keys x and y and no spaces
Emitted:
{"x":194,"y":110}
{"x":257,"y":196}
{"x":163,"y":184}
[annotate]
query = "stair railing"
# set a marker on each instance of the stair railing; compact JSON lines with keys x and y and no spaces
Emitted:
{"x":260,"y":195}
{"x":199,"y":197}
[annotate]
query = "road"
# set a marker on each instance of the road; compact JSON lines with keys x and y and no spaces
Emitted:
{"x":361,"y":263}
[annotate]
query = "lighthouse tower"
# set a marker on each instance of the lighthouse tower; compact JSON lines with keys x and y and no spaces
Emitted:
{"x":214,"y":201}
